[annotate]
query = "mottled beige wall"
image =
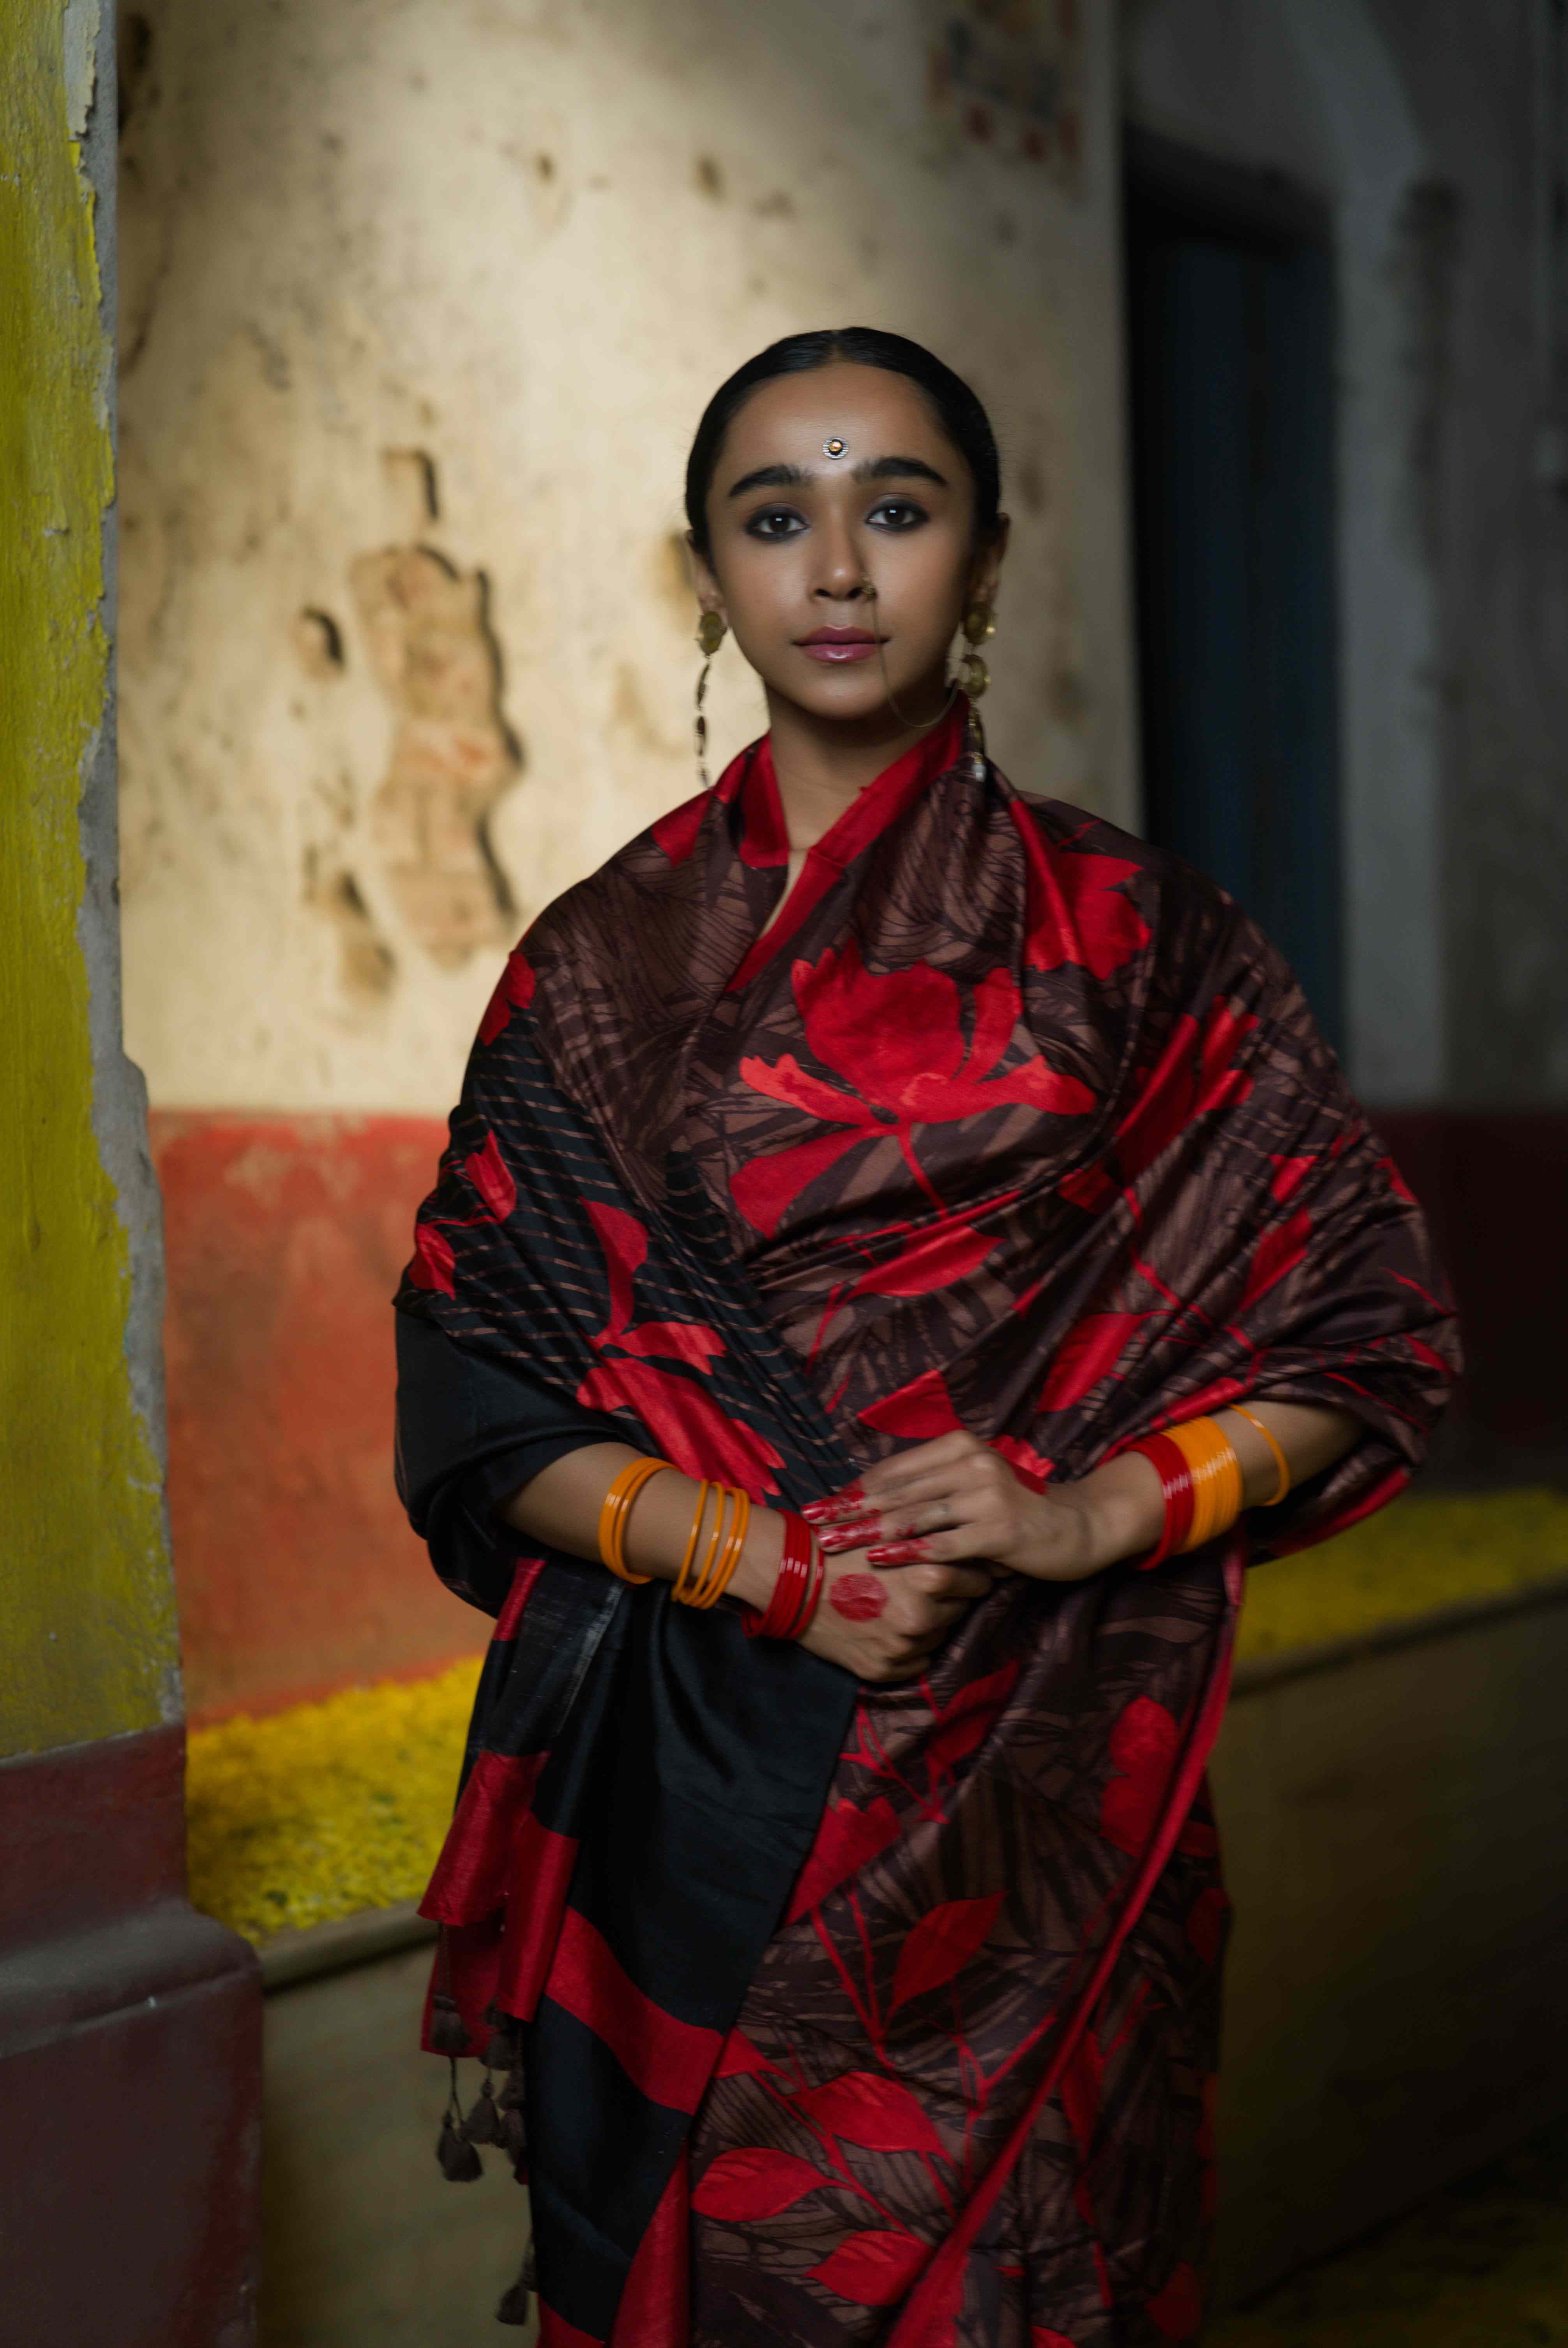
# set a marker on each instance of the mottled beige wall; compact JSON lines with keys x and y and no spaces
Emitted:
{"x":458,"y":275}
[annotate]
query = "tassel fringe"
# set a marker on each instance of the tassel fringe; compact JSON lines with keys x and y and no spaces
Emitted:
{"x":447,"y":2033}
{"x":514,"y":2307}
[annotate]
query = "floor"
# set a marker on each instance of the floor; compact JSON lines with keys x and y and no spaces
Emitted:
{"x":1483,"y":2264}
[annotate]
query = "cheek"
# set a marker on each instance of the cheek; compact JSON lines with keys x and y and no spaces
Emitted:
{"x":923,"y":585}
{"x":858,"y":1597}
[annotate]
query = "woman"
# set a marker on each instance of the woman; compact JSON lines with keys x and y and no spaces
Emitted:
{"x":884,"y":1147}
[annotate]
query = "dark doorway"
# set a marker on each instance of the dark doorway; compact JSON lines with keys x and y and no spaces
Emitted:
{"x":1230,"y":342}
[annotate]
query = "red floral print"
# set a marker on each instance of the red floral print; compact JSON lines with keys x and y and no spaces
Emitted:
{"x":896,"y":1045}
{"x":492,"y":1177}
{"x":874,"y":2268}
{"x":513,"y":992}
{"x":942,"y":1944}
{"x":755,"y":2181}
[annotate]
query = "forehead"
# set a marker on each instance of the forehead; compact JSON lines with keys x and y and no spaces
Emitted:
{"x":875,"y":413}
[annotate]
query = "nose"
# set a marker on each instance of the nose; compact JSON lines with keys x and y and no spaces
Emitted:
{"x":842,"y":575}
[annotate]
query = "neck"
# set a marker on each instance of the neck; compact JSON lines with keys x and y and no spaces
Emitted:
{"x":822,"y":763}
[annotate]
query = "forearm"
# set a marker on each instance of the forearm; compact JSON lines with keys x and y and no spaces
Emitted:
{"x":561,"y":1506}
{"x":1120,"y":1506}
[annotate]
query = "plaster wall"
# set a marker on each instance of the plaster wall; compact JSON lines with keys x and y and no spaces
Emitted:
{"x":89,"y":1649}
{"x":402,"y":277}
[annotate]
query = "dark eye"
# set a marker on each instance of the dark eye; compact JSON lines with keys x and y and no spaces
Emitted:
{"x":897,"y":513}
{"x":775,"y":521}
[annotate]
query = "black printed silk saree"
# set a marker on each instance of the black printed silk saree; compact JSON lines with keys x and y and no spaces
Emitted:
{"x":878,"y":2015}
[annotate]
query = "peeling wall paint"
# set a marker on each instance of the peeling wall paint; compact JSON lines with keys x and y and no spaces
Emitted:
{"x":521,"y":241}
{"x":89,"y":1649}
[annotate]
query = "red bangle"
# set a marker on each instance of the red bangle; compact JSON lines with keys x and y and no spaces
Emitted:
{"x":813,"y":1598}
{"x":1176,"y":1488}
{"x":791,"y":1591}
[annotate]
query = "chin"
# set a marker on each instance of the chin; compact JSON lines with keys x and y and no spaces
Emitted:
{"x":852,"y":698}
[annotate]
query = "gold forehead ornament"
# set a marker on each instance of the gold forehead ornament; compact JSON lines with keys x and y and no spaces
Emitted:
{"x":835,"y":448}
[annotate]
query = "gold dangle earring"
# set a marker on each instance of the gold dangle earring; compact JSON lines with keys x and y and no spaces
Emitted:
{"x":709,"y":636}
{"x":979,"y":626}
{"x":974,"y":677}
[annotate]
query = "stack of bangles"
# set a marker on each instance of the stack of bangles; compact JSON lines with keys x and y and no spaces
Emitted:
{"x":801,"y":1571}
{"x":1200,"y":1477}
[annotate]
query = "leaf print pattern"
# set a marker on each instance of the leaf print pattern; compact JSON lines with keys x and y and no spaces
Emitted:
{"x":1008,"y":1126}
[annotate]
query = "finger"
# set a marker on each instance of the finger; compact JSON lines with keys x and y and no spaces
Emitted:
{"x":837,"y":1504}
{"x":951,"y":1513}
{"x":933,"y":1464}
{"x":942,"y":1451}
{"x":958,"y":1542}
{"x":962,"y":1584}
{"x":833,"y":1540}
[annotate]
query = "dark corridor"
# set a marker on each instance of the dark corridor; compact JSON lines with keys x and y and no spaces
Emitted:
{"x":1231,"y":361}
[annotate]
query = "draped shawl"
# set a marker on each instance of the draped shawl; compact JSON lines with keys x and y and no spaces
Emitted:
{"x":1009,"y":1123}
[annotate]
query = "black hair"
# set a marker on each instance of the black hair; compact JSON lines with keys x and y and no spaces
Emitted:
{"x":958,"y":410}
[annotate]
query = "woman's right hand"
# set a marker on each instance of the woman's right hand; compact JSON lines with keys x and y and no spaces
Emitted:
{"x":883,"y":1622}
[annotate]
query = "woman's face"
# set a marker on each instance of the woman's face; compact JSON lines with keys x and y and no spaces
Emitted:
{"x":799,"y":538}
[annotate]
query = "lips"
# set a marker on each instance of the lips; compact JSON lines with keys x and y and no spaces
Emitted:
{"x":834,"y":644}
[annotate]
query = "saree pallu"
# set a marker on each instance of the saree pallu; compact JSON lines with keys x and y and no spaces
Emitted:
{"x":854,"y":2014}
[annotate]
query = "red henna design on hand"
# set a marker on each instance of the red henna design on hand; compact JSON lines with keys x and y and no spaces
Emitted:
{"x":842,"y":1504}
{"x":858,"y":1597}
{"x":899,"y":1552}
{"x":836,"y":1539}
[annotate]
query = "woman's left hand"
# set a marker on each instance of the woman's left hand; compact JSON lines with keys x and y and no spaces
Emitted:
{"x":956,"y":1498}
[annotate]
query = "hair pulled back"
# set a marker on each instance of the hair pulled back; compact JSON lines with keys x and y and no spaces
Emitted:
{"x":959,"y":412}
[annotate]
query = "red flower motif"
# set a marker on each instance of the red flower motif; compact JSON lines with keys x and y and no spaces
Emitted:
{"x":922,"y":1410}
{"x":625,"y":1244}
{"x":895,"y":1041}
{"x":1288,"y":1178}
{"x":1040,"y":2336}
{"x":873,"y":2269}
{"x":935,"y":1259}
{"x":941,"y":1945}
{"x":846,"y":1840}
{"x":1195,"y":1074}
{"x":878,"y":2113}
{"x":1277,"y":1253}
{"x":686,"y":1423}
{"x":491,"y":1177}
{"x":969,"y":1720}
{"x":1143,"y":1750}
{"x":1089,"y":1352}
{"x":690,"y":1429}
{"x":676,"y":832}
{"x":433,"y":1260}
{"x":1178,"y":2311}
{"x":1078,"y":913}
{"x":1031,"y":1465}
{"x":1082,"y":2086}
{"x":1397,"y":1182}
{"x":755,"y":2182}
{"x":740,"y":2059}
{"x":513,"y":992}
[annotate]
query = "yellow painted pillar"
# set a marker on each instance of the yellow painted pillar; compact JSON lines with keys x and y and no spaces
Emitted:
{"x":129,"y":2026}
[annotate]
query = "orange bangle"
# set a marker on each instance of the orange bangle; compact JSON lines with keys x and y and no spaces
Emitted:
{"x":729,"y":1555}
{"x":1280,"y":1461}
{"x":679,"y":1585}
{"x":617,"y":1508}
{"x":1216,"y":1479}
{"x":684,"y":1579}
{"x":722,"y":1496}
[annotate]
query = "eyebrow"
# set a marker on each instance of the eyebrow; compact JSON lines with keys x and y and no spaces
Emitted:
{"x":796,"y":477}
